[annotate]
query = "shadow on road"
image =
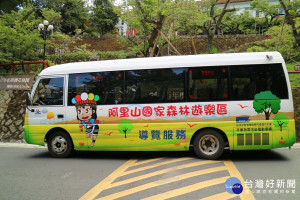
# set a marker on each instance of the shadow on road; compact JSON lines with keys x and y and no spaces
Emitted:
{"x":257,"y":155}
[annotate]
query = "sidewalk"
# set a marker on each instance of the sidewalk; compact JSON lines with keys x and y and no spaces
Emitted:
{"x":19,"y":145}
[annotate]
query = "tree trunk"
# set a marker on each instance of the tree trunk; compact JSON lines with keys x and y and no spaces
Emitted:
{"x":212,"y":28}
{"x":154,"y":46}
{"x":125,"y":132}
{"x":158,"y":52}
{"x":193,"y":45}
{"x":290,"y":21}
{"x":267,"y":114}
{"x":168,"y":41}
{"x":210,"y":38}
{"x":158,"y":25}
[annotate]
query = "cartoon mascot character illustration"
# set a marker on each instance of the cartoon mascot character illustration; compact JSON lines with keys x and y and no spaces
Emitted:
{"x":86,"y":107}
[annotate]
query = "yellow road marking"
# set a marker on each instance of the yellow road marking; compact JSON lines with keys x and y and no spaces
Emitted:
{"x":144,"y":176}
{"x":107,"y":183}
{"x":147,"y":161}
{"x":188,"y":189}
{"x":162,"y":182}
{"x":100,"y":186}
{"x":234,"y":172}
{"x":156,"y":165}
{"x":223,"y":196}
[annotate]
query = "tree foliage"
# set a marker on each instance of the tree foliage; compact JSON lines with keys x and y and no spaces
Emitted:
{"x":157,"y":23}
{"x":74,"y":14}
{"x":103,"y":18}
{"x":19,"y":39}
{"x":282,"y":40}
{"x":267,"y":103}
{"x":238,"y":23}
{"x":281,"y":121}
{"x":125,"y":127}
{"x":146,"y":16}
{"x":268,"y":10}
{"x":215,"y":18}
{"x":188,"y":17}
{"x":11,"y":5}
{"x":292,"y":15}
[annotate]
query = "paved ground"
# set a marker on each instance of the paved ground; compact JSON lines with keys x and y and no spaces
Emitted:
{"x":28,"y":172}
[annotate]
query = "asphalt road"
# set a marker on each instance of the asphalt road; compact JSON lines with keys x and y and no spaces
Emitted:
{"x":29,"y":172}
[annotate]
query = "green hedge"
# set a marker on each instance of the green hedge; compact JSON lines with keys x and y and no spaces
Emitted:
{"x":115,"y":54}
{"x":85,"y":55}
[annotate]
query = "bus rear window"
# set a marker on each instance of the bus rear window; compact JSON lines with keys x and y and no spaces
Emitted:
{"x":253,"y":79}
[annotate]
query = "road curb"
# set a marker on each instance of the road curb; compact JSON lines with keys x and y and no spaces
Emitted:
{"x":20,"y":145}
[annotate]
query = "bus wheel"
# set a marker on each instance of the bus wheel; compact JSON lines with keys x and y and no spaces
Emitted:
{"x":209,"y":144}
{"x":59,"y":145}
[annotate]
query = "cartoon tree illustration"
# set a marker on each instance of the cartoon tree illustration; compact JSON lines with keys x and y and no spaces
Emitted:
{"x":125,"y":127}
{"x":266,"y":102}
{"x":281,"y":120}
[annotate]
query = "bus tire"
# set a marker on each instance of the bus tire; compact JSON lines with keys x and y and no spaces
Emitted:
{"x":60,"y":145}
{"x":209,"y":144}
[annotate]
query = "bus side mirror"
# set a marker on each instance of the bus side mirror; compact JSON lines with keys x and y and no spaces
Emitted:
{"x":28,"y":101}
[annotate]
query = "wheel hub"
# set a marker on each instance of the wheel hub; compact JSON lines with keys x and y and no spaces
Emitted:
{"x":209,"y":144}
{"x":59,"y":145}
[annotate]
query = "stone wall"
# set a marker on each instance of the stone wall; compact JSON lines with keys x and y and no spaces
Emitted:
{"x":12,"y":111}
{"x":99,"y":44}
{"x":182,"y":43}
{"x":222,"y":43}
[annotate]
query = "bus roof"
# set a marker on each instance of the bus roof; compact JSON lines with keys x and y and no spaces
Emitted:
{"x":166,"y":62}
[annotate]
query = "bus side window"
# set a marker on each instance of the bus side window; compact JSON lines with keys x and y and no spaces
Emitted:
{"x":208,"y":83}
{"x":107,"y":85}
{"x":49,"y":92}
{"x":155,"y":85}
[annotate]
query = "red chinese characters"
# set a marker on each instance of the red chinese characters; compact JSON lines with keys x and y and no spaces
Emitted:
{"x":159,"y":110}
{"x":124,"y":112}
{"x":209,"y":109}
{"x":184,"y":110}
{"x":222,"y":109}
{"x":135,"y":112}
{"x":113,"y":112}
{"x":147,"y":111}
{"x":197,"y":110}
{"x":169,"y":110}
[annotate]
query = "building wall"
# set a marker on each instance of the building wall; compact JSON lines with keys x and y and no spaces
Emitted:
{"x":242,"y":6}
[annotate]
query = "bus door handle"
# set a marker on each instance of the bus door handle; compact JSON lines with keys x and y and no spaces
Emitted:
{"x":59,"y":116}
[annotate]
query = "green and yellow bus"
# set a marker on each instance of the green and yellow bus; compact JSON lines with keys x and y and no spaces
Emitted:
{"x":208,"y":103}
